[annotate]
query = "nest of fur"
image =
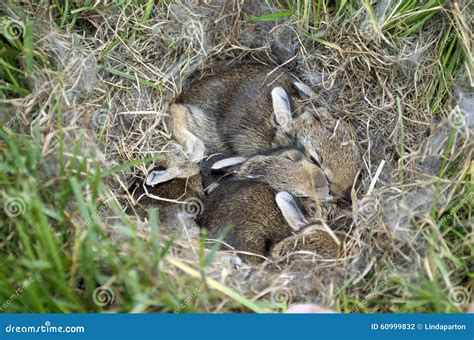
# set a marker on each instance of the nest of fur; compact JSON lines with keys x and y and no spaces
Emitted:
{"x":380,"y":89}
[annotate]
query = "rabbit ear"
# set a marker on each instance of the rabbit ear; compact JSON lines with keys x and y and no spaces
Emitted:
{"x":291,"y":211}
{"x":281,"y":107}
{"x":160,"y":176}
{"x":303,"y":89}
{"x":227,"y":163}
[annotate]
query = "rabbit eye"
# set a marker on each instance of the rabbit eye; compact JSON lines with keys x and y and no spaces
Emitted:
{"x":314,"y":155}
{"x":293,"y":156}
{"x":315,"y":160}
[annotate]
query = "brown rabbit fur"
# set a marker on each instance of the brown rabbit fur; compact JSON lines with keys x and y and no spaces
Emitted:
{"x":168,"y":196}
{"x":337,"y":214}
{"x":256,"y":214}
{"x":248,"y":109}
{"x":233,"y":110}
{"x":316,"y":241}
{"x":249,"y":208}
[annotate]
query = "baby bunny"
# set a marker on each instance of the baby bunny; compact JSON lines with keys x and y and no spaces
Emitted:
{"x":170,"y":187}
{"x":257,"y":215}
{"x":283,"y":169}
{"x":314,"y":240}
{"x":248,"y":109}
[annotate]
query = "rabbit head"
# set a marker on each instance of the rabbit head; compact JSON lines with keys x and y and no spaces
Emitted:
{"x":329,"y":143}
{"x":284,"y":170}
